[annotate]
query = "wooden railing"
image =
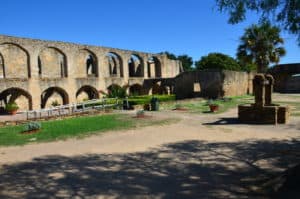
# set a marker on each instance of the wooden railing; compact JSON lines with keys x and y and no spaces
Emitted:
{"x":69,"y":109}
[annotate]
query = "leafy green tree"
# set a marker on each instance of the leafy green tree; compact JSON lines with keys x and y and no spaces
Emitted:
{"x":260,"y":45}
{"x":187,"y":62}
{"x":169,"y":55}
{"x":286,"y":13}
{"x":217,"y":61}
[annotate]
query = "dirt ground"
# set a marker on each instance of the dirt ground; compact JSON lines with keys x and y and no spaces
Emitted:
{"x":199,"y":156}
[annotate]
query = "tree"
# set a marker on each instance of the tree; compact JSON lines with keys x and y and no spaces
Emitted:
{"x":286,"y":13}
{"x":217,"y":61}
{"x":260,"y":45}
{"x":186,"y":61}
{"x":169,"y":55}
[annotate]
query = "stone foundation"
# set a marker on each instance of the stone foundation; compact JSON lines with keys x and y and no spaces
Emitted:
{"x":263,"y":111}
{"x":264,"y":115}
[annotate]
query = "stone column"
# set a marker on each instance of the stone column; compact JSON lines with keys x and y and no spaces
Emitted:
{"x":269,"y":89}
{"x":259,"y":90}
{"x":145,"y":62}
{"x":125,"y":59}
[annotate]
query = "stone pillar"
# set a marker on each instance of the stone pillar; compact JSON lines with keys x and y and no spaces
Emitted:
{"x":125,"y":59}
{"x":259,"y":90}
{"x":269,"y":89}
{"x":145,"y":62}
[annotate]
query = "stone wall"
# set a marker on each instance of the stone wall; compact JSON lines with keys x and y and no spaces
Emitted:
{"x":293,"y":84}
{"x":286,"y":77}
{"x":32,"y":66}
{"x":212,"y":84}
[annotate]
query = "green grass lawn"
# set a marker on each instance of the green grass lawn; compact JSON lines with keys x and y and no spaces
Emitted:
{"x":145,"y":99}
{"x":74,"y":127}
{"x":295,"y":107}
{"x":201,"y":105}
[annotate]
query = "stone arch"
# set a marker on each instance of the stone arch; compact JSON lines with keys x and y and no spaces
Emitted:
{"x":18,"y":95}
{"x":52,"y":63}
{"x":15,"y":58}
{"x":2,"y":69}
{"x":87,"y":64}
{"x":86,"y":92}
{"x":154,"y":67}
{"x":135,"y":66}
{"x":136,"y":89}
{"x":52,"y":94}
{"x":113,"y":86}
{"x":115,"y":64}
{"x":157,"y":89}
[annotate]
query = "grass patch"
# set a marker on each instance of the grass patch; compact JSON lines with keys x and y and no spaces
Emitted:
{"x":201,"y":105}
{"x":295,"y":107}
{"x":145,"y":99}
{"x":74,"y":127}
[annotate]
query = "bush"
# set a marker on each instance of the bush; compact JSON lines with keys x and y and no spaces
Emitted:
{"x":117,"y":91}
{"x":217,"y":61}
{"x":11,"y":106}
{"x":140,"y":113}
{"x":55,"y":103}
{"x":31,"y":126}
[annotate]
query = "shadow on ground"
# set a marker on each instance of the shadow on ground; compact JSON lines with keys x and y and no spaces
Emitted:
{"x":191,"y":169}
{"x":225,"y":121}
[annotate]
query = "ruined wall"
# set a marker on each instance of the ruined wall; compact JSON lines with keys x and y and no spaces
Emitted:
{"x":36,"y":65}
{"x":212,"y":84}
{"x":15,"y":61}
{"x":285,"y":79}
{"x":292,"y":84}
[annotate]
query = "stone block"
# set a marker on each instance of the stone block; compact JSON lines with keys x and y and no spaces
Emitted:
{"x":283,"y":114}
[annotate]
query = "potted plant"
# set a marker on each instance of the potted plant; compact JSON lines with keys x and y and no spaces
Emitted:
{"x":213,"y":106}
{"x":55,"y":103}
{"x":11,"y":108}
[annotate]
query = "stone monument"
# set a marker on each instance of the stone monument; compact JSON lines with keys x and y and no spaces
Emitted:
{"x":263,"y":111}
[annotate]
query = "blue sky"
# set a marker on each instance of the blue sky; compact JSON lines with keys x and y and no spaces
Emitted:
{"x":193,"y":27}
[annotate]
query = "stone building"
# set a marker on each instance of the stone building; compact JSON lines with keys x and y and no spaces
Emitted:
{"x":287,"y":77}
{"x":35,"y":73}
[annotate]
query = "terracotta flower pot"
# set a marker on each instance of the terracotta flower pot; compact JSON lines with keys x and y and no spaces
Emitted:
{"x":12,"y":112}
{"x":214,"y":107}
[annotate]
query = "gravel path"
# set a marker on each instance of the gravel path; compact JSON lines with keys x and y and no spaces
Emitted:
{"x":200,"y":156}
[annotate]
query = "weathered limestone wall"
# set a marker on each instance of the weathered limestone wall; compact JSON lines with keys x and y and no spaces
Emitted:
{"x":285,"y":81}
{"x":15,"y":61}
{"x":33,"y":66}
{"x":212,"y":84}
{"x":293,"y":84}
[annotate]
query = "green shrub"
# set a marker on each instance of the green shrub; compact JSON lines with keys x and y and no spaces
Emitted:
{"x":31,"y":126}
{"x":55,"y":103}
{"x":11,"y":106}
{"x":116,"y":91}
{"x":217,"y":61}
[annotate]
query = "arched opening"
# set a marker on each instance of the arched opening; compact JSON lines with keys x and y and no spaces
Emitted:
{"x":154,"y":67}
{"x":86,"y":93}
{"x":54,"y":96}
{"x":113,"y":86}
{"x":15,"y":58}
{"x":136,"y":89}
{"x":52,"y":63}
{"x":115,"y":64}
{"x":135,"y":66}
{"x":159,"y":90}
{"x":87,"y":64}
{"x":21,"y":97}
{"x":91,"y":66}
{"x":2,"y":69}
{"x":39,"y":67}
